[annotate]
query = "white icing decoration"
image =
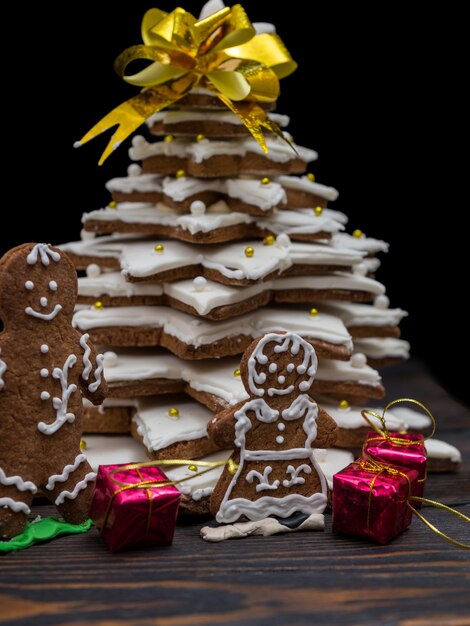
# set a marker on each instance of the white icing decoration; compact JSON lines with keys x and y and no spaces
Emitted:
{"x":358,"y":360}
{"x":279,"y":439}
{"x":53,"y":285}
{"x":87,"y":364}
{"x":382,"y":302}
{"x":15,"y":506}
{"x":361,"y":269}
{"x":17,"y":481}
{"x":199,"y":283}
{"x":61,"y":404}
{"x":134,"y":169}
{"x":3,"y":369}
{"x":92,"y":387}
{"x":383,"y":347}
{"x":366,"y":244}
{"x":263,"y":479}
{"x":115,"y":450}
{"x":351,"y":418}
{"x":93,"y":270}
{"x":224,"y":117}
{"x":332,"y":461}
{"x":437,"y":449}
{"x":29,"y":285}
{"x":306,"y":185}
{"x":295,"y":479}
{"x":197,"y":207}
{"x":356,"y":314}
{"x":272,"y":368}
{"x":288,"y":341}
{"x":64,"y":475}
{"x":283,"y":240}
{"x":290,"y":367}
{"x":110,"y":359}
{"x":281,"y":379}
{"x":44,"y":316}
{"x":43,"y":301}
{"x":45,"y":395}
{"x":281,"y":426}
{"x":44,"y":252}
{"x":44,"y":348}
{"x":44,"y":372}
{"x":71,"y":495}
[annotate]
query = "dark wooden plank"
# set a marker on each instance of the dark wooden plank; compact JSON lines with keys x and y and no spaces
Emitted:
{"x":311,"y":578}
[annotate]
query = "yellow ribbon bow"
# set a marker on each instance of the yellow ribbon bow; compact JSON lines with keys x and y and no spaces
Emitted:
{"x":221,"y":53}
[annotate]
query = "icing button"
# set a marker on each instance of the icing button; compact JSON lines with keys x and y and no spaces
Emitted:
{"x":197,"y":207}
{"x":358,"y":360}
{"x":360,"y":270}
{"x":93,"y":270}
{"x":134,"y":169}
{"x":110,"y":359}
{"x":283,"y":240}
{"x":199,"y":283}
{"x":382,"y":302}
{"x":279,"y":439}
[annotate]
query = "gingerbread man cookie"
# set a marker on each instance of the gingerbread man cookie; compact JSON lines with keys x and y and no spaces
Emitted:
{"x":274,"y":434}
{"x":45,"y":367}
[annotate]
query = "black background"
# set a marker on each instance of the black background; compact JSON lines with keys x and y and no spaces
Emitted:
{"x":377,"y":94}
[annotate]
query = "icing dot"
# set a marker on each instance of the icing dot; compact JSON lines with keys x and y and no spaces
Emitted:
{"x":360,"y":269}
{"x":98,"y":305}
{"x":382,"y":302}
{"x":272,"y":368}
{"x":197,"y":207}
{"x":45,"y":395}
{"x":311,"y":177}
{"x":266,"y":180}
{"x":44,"y":348}
{"x":138,"y":140}
{"x":313,"y":312}
{"x":199,"y":283}
{"x":269,"y":240}
{"x":281,"y":379}
{"x":236,"y":373}
{"x":110,"y":359}
{"x":304,"y":385}
{"x":159,"y":248}
{"x":53,"y":285}
{"x":83,"y":444}
{"x":281,"y":426}
{"x":249,"y":252}
{"x":318,"y":210}
{"x":290,"y":368}
{"x":279,"y":439}
{"x":134,"y":170}
{"x":168,"y":138}
{"x":173,"y":413}
{"x":112,"y":204}
{"x":93,"y":270}
{"x":358,"y":360}
{"x":180,"y":174}
{"x":44,"y":372}
{"x":43,"y":301}
{"x":301,"y":369}
{"x":358,"y":234}
{"x":344,"y":404}
{"x":29,"y":285}
{"x":283,"y":240}
{"x":86,"y":235}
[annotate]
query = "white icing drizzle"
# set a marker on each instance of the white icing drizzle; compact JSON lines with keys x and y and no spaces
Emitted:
{"x":3,"y":369}
{"x":87,"y":364}
{"x":295,"y":479}
{"x":68,"y":469}
{"x":43,"y":251}
{"x":92,"y":387}
{"x":15,"y":506}
{"x":44,"y":316}
{"x":71,"y":495}
{"x":263,"y":479}
{"x":53,"y":285}
{"x":61,"y":404}
{"x":20,"y":484}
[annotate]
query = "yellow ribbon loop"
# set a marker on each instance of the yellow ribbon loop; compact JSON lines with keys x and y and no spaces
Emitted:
{"x":221,"y":53}
{"x":384,"y":432}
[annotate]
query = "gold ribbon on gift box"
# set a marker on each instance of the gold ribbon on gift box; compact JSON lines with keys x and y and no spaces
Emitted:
{"x":221,"y":53}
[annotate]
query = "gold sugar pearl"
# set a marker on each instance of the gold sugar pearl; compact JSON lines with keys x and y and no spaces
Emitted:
{"x":269,"y":240}
{"x":313,"y":312}
{"x":249,"y":252}
{"x":318,"y":210}
{"x":236,"y":373}
{"x":174,"y":412}
{"x":192,"y":468}
{"x":344,"y":404}
{"x":168,"y":138}
{"x":112,"y":204}
{"x":98,"y":305}
{"x":159,"y":248}
{"x":311,"y":177}
{"x":200,"y":137}
{"x":180,"y":174}
{"x":266,"y":180}
{"x":357,"y":233}
{"x":83,"y":444}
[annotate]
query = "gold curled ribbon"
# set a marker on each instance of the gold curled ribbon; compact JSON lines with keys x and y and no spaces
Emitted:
{"x":221,"y":53}
{"x":384,"y":433}
{"x":435,"y":530}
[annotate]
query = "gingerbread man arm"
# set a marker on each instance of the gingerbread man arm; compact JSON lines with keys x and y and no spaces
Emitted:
{"x":221,"y":428}
{"x":326,"y":430}
{"x":92,"y":381}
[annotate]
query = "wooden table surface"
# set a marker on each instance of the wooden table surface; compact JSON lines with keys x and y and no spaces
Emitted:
{"x":303,"y":578}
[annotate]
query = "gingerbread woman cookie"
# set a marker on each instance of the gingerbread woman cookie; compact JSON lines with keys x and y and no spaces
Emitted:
{"x":273,"y":433}
{"x":45,"y":367}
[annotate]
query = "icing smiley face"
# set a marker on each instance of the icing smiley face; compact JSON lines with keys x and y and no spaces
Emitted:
{"x":279,"y":365}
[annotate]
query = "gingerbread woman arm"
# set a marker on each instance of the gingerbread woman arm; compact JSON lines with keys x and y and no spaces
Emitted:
{"x":221,"y":428}
{"x":326,"y":430}
{"x":92,"y":381}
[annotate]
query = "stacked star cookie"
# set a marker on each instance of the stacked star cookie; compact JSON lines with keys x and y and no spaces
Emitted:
{"x":208,"y":243}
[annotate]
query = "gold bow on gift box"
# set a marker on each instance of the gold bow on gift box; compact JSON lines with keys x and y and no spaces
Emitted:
{"x":221,"y":53}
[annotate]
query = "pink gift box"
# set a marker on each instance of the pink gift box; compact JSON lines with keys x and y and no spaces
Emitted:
{"x":128,"y":515}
